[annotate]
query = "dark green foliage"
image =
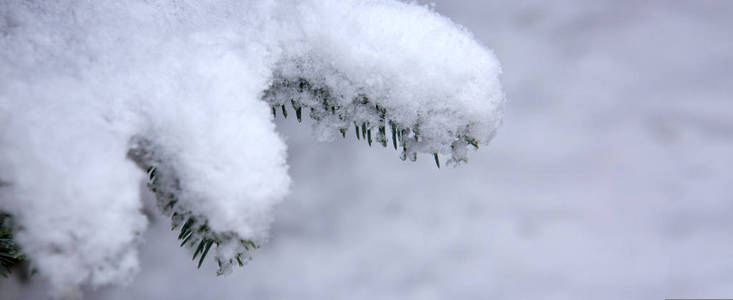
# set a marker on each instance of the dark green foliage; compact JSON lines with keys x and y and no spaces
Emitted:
{"x":10,"y":254}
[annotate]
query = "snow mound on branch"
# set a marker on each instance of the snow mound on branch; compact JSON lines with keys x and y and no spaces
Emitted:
{"x":389,"y":64}
{"x":81,"y":80}
{"x":89,"y":89}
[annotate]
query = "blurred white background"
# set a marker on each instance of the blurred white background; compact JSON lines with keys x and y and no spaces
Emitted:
{"x":611,"y":178}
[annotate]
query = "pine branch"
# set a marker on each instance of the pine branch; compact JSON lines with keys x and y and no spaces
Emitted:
{"x":367,"y":116}
{"x":371,"y":120}
{"x":10,"y":253}
{"x":193,"y":227}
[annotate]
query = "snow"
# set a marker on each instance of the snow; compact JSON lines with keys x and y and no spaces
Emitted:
{"x":387,"y":63}
{"x":95,"y":96}
{"x":610,"y":179}
{"x":409,"y":56}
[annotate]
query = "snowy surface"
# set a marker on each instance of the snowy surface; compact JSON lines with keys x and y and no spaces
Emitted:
{"x":382,"y":64}
{"x":89,"y":89}
{"x":609,"y":180}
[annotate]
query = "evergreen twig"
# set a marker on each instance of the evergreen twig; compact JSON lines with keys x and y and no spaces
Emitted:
{"x":10,"y":253}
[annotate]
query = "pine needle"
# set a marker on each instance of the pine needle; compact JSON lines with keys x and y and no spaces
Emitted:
{"x":369,"y":136}
{"x":208,"y":246}
{"x":199,"y":248}
{"x":186,"y":239}
{"x":298,"y":109}
{"x":382,"y":136}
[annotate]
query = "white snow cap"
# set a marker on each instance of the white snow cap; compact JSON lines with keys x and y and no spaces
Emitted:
{"x":82,"y":83}
{"x":388,"y":63}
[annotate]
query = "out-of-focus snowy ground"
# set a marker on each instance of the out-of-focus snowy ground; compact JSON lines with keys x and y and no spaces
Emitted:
{"x":611,"y":178}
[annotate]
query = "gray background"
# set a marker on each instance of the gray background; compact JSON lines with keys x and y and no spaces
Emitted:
{"x":611,"y":178}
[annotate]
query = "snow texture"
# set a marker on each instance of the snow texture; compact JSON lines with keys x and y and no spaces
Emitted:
{"x":391,"y":68}
{"x":97,"y":96}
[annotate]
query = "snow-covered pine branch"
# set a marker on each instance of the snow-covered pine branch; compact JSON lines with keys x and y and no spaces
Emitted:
{"x":399,"y":73}
{"x":194,"y":228}
{"x":97,"y":96}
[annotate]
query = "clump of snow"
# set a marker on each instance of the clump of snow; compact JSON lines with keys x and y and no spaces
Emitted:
{"x":90,"y":89}
{"x":398,"y":70}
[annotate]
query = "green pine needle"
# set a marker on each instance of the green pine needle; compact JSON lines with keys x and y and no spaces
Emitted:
{"x":199,"y":249}
{"x":186,"y":229}
{"x":186,"y":239}
{"x":382,"y":134}
{"x":471,"y":141}
{"x":208,"y":246}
